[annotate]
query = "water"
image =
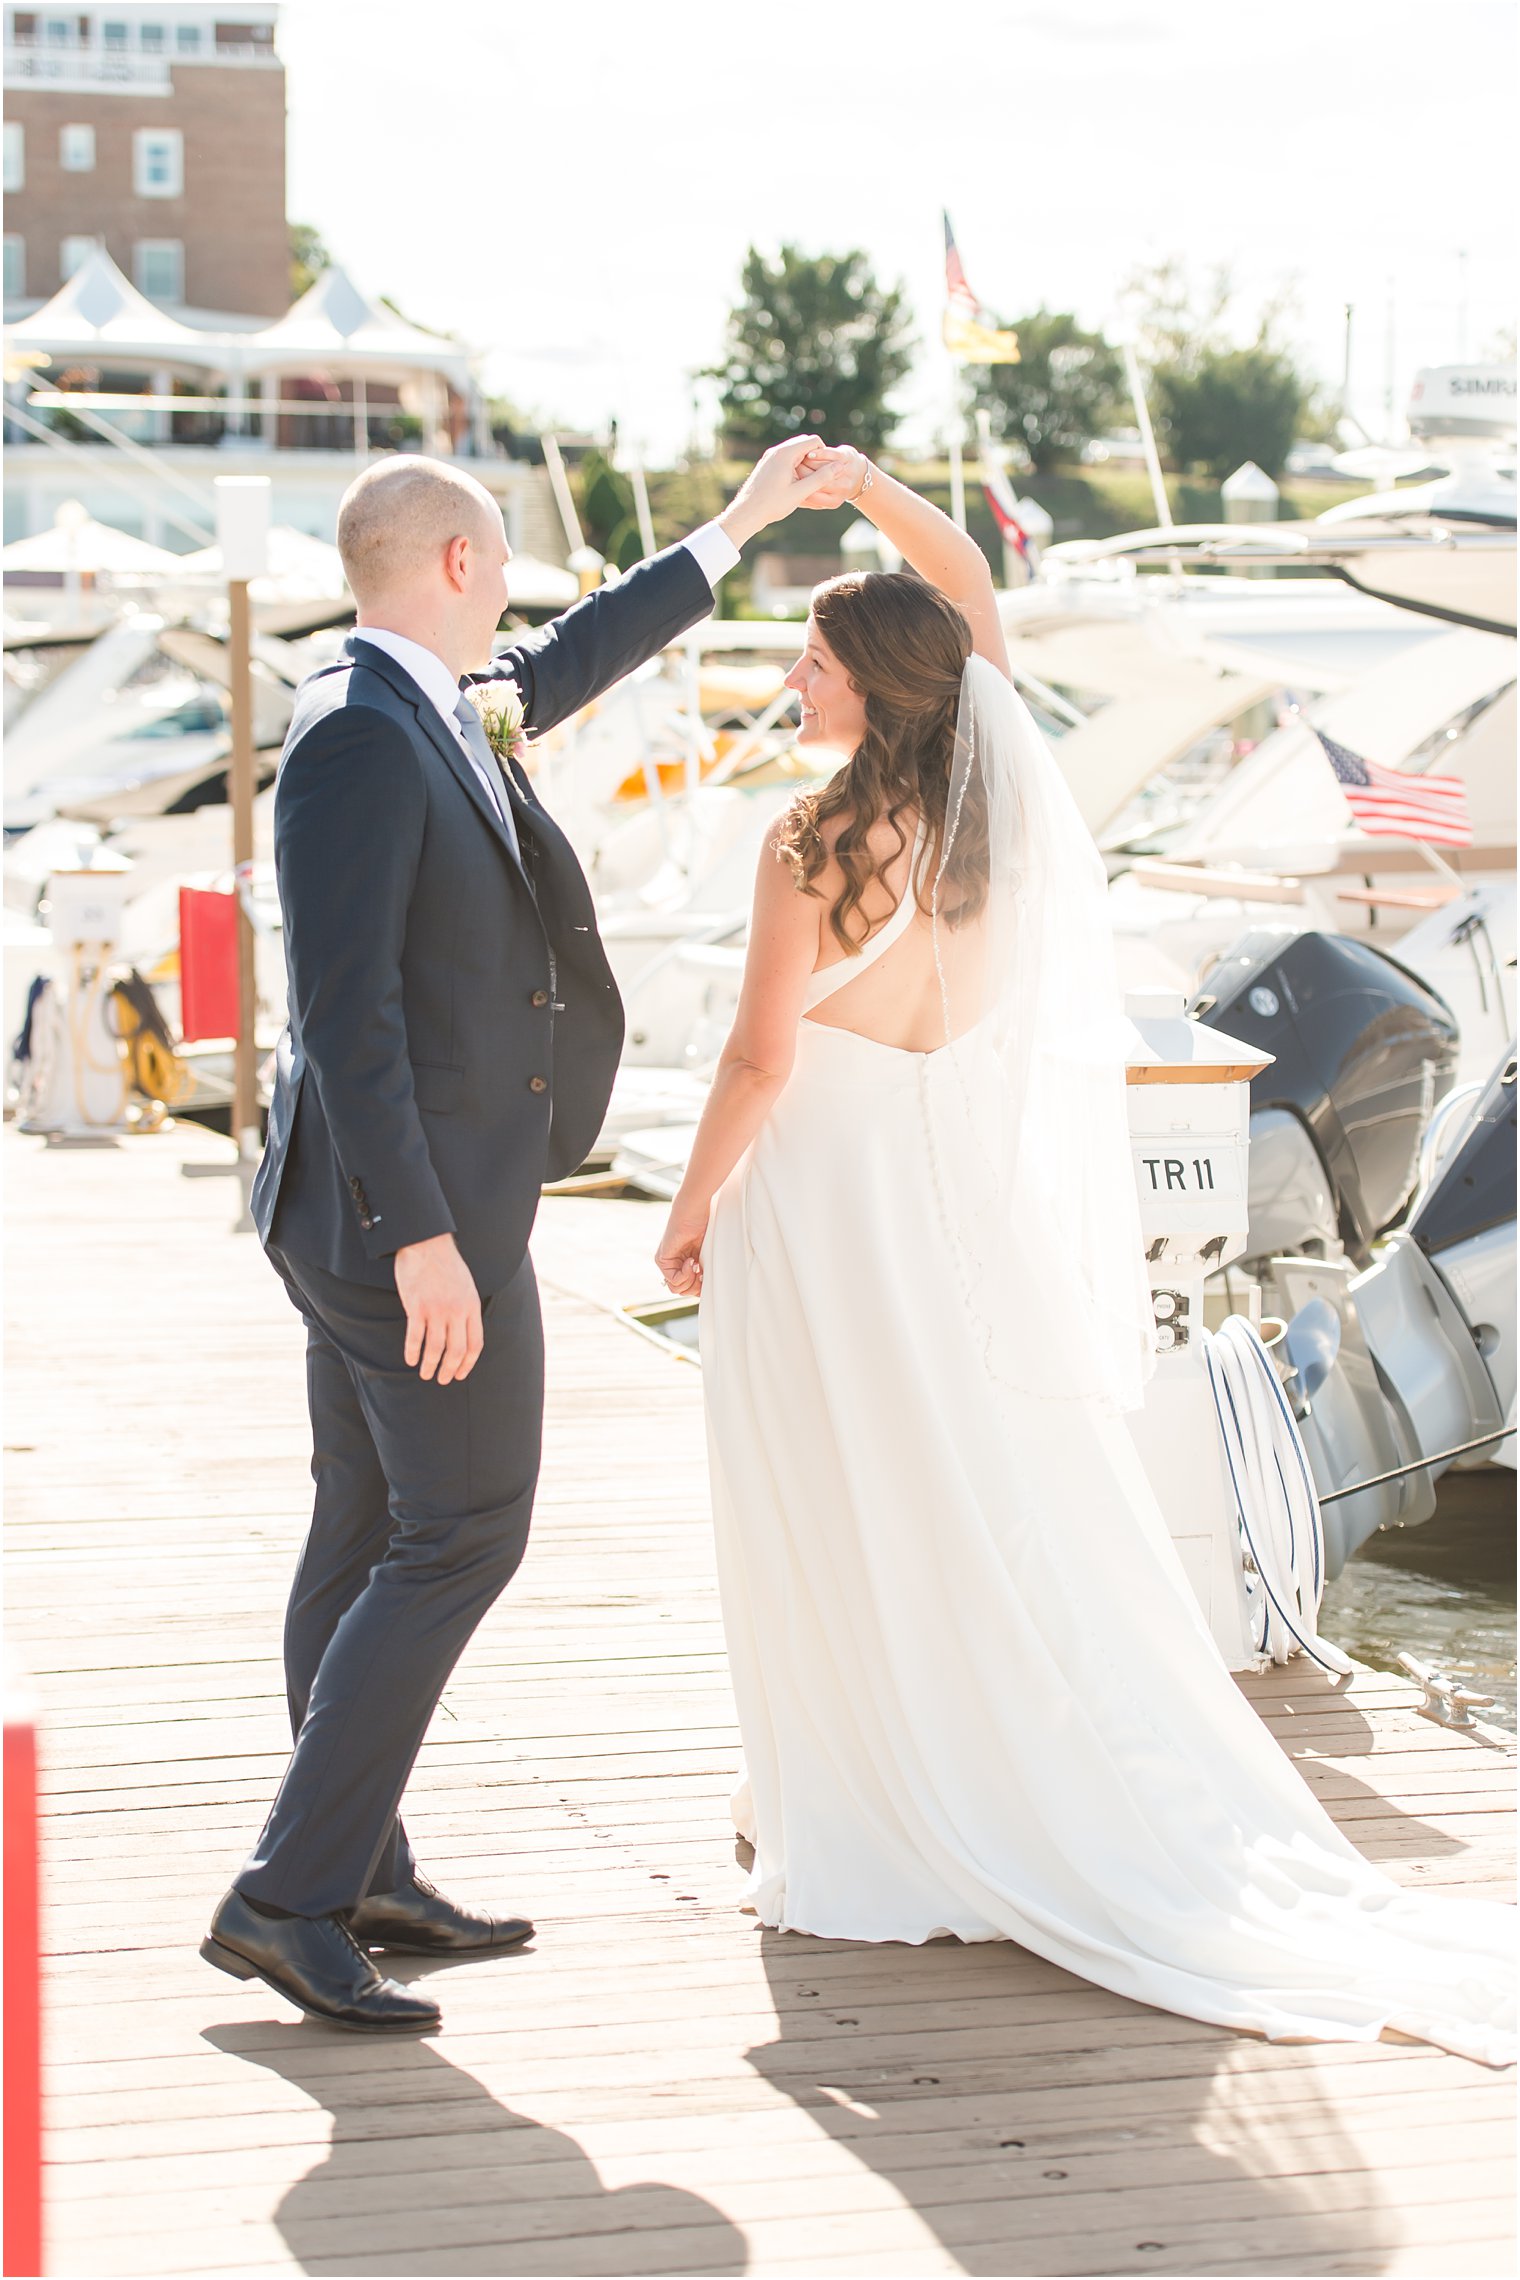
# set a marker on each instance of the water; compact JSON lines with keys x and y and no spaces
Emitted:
{"x":676,"y":1321}
{"x":1443,"y":1592}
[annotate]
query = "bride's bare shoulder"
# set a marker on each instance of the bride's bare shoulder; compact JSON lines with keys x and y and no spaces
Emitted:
{"x":884,"y":839}
{"x":803,"y":834}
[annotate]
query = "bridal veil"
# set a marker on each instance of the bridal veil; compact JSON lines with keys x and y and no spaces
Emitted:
{"x":1035,"y":1046}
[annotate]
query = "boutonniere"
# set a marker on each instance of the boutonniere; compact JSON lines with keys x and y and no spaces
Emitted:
{"x":500,"y":707}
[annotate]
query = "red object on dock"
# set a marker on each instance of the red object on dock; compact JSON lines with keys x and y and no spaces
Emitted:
{"x":208,"y":963}
{"x":23,"y":2038}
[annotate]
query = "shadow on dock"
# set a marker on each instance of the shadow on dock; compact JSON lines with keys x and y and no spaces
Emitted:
{"x":507,"y":2196}
{"x":1074,"y":2132}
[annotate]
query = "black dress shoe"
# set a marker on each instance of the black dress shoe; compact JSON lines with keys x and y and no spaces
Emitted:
{"x":418,"y":1920}
{"x":314,"y":1962}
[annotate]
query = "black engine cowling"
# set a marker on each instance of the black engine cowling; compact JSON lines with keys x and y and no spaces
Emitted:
{"x":1475,"y":1188}
{"x":1363,"y":1051}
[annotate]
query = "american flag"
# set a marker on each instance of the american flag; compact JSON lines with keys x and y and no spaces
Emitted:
{"x":963,"y":302}
{"x":967,"y":333}
{"x":1391,"y":806}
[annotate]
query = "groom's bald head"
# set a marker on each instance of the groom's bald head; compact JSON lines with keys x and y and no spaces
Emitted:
{"x":397,"y":520}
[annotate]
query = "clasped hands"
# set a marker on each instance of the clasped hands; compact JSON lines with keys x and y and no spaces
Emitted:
{"x":842,"y":470}
{"x":804,"y":471}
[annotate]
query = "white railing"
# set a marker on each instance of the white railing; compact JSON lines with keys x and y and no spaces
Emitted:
{"x":85,"y":67}
{"x":76,"y":64}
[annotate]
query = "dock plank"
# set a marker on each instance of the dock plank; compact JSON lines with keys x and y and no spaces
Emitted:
{"x":656,"y":2086}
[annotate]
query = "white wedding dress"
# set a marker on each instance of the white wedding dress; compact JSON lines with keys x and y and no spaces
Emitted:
{"x":975,"y":1693}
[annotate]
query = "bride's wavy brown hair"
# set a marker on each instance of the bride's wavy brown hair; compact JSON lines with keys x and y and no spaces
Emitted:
{"x":904,"y":646}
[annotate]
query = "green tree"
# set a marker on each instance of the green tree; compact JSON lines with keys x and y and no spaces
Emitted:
{"x":1066,"y":388}
{"x":519,"y":433}
{"x":609,"y":517}
{"x":816,"y":345}
{"x":1215,"y":401}
{"x":309,"y":256}
{"x":1229,"y":405}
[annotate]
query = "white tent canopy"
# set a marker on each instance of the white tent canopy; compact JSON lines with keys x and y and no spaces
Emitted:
{"x":338,"y":329}
{"x":301,"y":571}
{"x":297,"y":564}
{"x":334,"y":329}
{"x":100,"y":314}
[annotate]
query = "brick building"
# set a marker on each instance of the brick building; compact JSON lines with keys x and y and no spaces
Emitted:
{"x":145,"y":148}
{"x":158,"y":131}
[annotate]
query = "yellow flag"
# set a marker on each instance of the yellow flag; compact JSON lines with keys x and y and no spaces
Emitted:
{"x":972,"y":343}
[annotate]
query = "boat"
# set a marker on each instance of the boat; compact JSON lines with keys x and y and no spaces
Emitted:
{"x":1275,"y":847}
{"x":1254,"y":831}
{"x":1406,"y":1369}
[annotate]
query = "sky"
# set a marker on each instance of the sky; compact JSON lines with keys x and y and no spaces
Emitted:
{"x":572,"y":187}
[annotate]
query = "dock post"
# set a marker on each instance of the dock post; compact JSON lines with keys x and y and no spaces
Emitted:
{"x":245,"y":1113}
{"x":242,"y":515}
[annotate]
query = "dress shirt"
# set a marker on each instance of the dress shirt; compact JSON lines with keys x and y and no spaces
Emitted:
{"x":442,"y":691}
{"x":713,"y":550}
{"x":714,"y":553}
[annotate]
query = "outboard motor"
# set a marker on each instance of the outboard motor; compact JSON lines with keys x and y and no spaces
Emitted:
{"x":1416,"y":1356}
{"x":1465,"y":1226}
{"x":1362,"y":1051}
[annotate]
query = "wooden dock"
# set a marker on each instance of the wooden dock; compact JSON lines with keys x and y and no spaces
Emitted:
{"x":656,"y":2086}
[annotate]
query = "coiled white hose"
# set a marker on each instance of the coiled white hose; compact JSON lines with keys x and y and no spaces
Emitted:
{"x":1282,"y":1539}
{"x":88,"y":1006}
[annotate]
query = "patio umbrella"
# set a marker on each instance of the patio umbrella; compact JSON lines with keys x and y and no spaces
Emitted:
{"x":299,"y":567}
{"x":77,"y":542}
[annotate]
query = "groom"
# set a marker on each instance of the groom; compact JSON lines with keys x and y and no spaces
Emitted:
{"x":454,"y":1032}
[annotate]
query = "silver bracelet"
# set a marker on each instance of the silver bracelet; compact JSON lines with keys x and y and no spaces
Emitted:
{"x":866,"y":481}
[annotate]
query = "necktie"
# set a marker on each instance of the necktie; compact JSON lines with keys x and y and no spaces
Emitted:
{"x":488,"y":766}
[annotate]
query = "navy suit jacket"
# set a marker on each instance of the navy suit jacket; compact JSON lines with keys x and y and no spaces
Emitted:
{"x":454,"y":1027}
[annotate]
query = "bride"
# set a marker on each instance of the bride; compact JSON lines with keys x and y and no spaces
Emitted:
{"x":975,"y":1692}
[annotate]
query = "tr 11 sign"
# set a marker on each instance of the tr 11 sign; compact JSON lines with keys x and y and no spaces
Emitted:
{"x":1187,"y":1172}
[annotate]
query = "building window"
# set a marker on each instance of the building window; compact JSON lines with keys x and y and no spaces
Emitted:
{"x":76,"y":150}
{"x":158,"y":162}
{"x":159,"y":267}
{"x":15,"y":268}
{"x":114,"y":37}
{"x":57,"y":31}
{"x":15,"y":157}
{"x":187,"y":38}
{"x":73,"y":253}
{"x":150,"y":38}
